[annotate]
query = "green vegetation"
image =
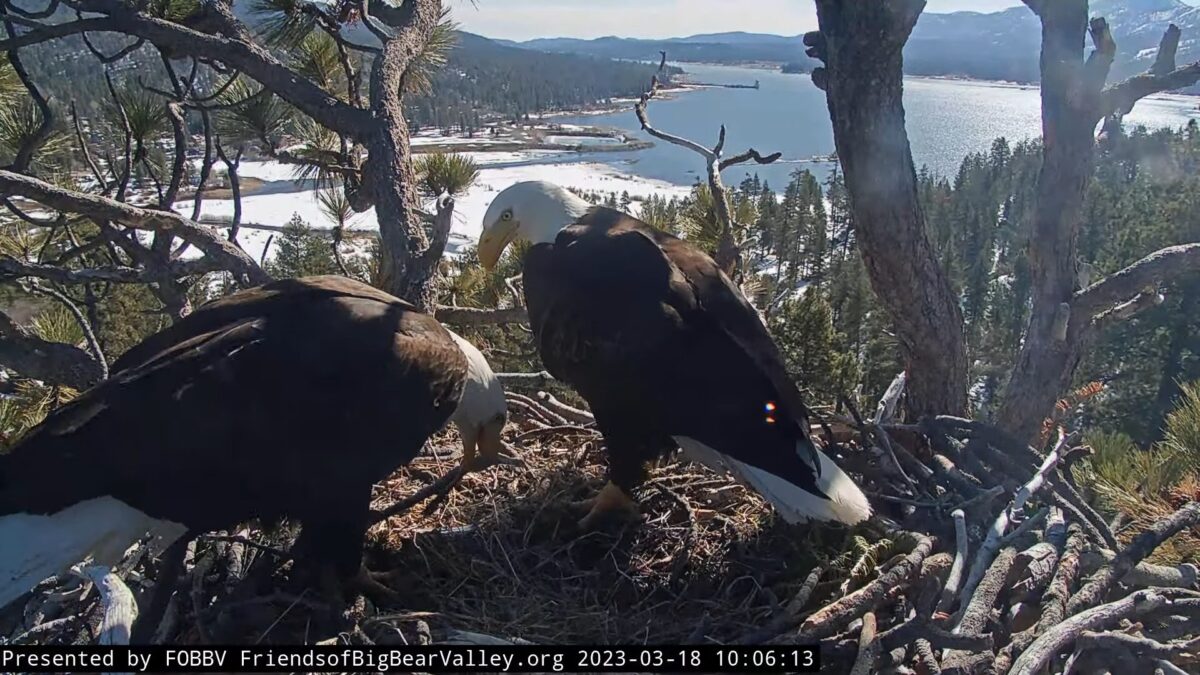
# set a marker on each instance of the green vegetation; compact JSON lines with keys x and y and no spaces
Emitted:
{"x":1146,"y":485}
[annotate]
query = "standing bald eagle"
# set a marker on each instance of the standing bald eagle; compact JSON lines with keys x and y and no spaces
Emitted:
{"x":288,"y":400}
{"x":666,"y":350}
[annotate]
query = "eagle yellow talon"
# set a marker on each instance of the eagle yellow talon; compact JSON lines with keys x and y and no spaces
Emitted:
{"x":612,"y":501}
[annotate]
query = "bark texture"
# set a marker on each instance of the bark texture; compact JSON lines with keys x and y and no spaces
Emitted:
{"x":861,"y":45}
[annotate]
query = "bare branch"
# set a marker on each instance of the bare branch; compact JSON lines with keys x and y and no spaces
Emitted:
{"x":242,"y":55}
{"x":1120,"y":99}
{"x":1164,"y":61}
{"x":640,"y":110}
{"x":96,"y":207}
{"x":51,"y":8}
{"x":89,"y":335}
{"x":1127,"y":310}
{"x":1101,"y":59}
{"x":53,"y":31}
{"x":1141,"y":547}
{"x":750,"y":154}
{"x":62,"y":275}
{"x":983,"y":559}
{"x":1052,"y":641}
{"x":87,"y":153}
{"x":1154,"y":269}
{"x":118,"y":55}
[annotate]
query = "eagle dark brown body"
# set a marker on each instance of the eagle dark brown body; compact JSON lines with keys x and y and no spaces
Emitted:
{"x":666,"y":351}
{"x":291,"y":399}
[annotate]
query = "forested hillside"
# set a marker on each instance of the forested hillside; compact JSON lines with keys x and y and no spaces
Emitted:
{"x":484,"y":76}
{"x":481,"y":78}
{"x":1000,"y":45}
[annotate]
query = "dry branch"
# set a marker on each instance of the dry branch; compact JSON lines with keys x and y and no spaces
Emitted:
{"x":829,"y":619}
{"x":572,"y":414}
{"x":992,"y":543}
{"x":438,"y":487}
{"x":950,"y":590}
{"x":868,"y":647}
{"x":120,"y":609}
{"x":223,"y":253}
{"x":1059,"y":637}
{"x":1143,"y":545}
{"x":727,"y":254}
{"x":1184,"y":575}
{"x":1148,"y":272}
{"x":1138,"y":646}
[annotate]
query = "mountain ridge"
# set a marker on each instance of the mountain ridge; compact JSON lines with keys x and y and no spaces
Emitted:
{"x":1002,"y":45}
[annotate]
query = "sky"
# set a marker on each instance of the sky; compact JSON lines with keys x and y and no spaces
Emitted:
{"x":526,"y":19}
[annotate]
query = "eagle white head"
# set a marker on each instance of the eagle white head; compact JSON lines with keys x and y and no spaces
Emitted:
{"x":481,"y":411}
{"x":533,"y":211}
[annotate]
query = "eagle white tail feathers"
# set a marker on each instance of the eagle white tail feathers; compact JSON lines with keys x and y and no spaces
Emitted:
{"x":35,"y":547}
{"x":846,"y":503}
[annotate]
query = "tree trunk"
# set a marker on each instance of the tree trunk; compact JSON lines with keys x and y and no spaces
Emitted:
{"x":405,"y":270}
{"x":861,"y":44}
{"x":1055,"y":337}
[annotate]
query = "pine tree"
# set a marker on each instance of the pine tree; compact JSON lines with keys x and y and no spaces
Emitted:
{"x":301,"y":251}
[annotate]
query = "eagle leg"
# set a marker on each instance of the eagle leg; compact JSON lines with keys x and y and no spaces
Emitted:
{"x":611,"y":502}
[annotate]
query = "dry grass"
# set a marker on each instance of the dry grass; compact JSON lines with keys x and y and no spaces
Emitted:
{"x":503,"y":556}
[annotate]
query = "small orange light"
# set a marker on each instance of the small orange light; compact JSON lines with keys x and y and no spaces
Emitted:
{"x":770,"y":420}
{"x":770,"y":406}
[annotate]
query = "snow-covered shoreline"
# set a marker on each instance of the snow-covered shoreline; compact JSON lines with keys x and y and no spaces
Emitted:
{"x":274,"y":208}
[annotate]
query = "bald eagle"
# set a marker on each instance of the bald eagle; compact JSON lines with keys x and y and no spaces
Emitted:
{"x":666,"y":351}
{"x":288,"y":400}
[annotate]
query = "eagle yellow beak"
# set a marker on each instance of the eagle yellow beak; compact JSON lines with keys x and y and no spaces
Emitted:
{"x":494,"y":240}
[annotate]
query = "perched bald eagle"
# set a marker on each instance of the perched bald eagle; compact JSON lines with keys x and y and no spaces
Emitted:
{"x":666,"y":350}
{"x":288,"y":400}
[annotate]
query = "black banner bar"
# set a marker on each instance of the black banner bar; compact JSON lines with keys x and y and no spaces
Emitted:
{"x":430,"y":659}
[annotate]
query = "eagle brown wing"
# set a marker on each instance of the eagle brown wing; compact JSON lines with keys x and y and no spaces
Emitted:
{"x":269,"y":401}
{"x":216,"y":313}
{"x":657,"y":281}
{"x":717,"y":295}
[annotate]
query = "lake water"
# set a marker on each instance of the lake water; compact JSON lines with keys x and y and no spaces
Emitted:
{"x":946,"y":119}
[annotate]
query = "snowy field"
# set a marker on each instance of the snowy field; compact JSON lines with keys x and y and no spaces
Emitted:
{"x":278,"y":208}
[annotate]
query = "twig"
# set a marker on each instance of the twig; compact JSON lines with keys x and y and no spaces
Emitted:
{"x":950,"y":591}
{"x":868,"y":647}
{"x":992,"y":543}
{"x":572,"y":414}
{"x":440,"y":486}
{"x":566,"y":428}
{"x":975,"y":614}
{"x":1054,"y":602}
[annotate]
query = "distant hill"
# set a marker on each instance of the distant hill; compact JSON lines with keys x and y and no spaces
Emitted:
{"x":483,"y":75}
{"x":1000,"y":45}
{"x":714,"y":48}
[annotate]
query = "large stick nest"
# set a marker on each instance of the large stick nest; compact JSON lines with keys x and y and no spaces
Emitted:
{"x":1039,"y":581}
